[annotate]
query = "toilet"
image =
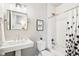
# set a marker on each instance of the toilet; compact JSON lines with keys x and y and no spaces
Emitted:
{"x":41,"y":46}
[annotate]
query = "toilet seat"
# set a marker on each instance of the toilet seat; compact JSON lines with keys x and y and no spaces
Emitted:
{"x":46,"y":53}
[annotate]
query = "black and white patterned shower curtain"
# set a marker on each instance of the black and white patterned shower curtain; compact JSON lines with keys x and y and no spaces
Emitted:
{"x":72,"y":34}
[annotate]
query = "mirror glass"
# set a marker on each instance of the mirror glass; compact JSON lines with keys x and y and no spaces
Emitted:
{"x":17,"y":20}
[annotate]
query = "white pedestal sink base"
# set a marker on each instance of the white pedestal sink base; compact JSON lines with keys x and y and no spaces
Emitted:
{"x":18,"y":53}
{"x":16,"y":46}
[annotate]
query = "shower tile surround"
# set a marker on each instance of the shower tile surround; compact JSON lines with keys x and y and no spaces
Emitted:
{"x":72,"y":33}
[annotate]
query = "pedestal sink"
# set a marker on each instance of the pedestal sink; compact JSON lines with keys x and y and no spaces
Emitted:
{"x":15,"y":45}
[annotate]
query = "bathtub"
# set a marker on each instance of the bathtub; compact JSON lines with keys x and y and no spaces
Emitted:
{"x":53,"y":52}
{"x":57,"y":51}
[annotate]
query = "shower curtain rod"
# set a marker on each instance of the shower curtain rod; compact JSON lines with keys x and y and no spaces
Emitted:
{"x":68,"y":10}
{"x":71,"y":9}
{"x":63,"y":12}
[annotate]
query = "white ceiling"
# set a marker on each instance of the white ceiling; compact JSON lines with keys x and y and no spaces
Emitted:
{"x":53,"y":4}
{"x":56,"y":4}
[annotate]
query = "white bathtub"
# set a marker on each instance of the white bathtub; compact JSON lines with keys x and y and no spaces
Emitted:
{"x":53,"y":52}
{"x":57,"y":51}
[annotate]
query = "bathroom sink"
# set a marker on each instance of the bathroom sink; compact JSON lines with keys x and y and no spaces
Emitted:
{"x":14,"y":42}
{"x":12,"y":45}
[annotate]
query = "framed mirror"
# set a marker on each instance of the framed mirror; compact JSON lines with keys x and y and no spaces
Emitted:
{"x":17,"y":20}
{"x":39,"y":25}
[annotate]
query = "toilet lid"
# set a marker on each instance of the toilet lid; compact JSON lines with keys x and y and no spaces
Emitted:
{"x":46,"y":53}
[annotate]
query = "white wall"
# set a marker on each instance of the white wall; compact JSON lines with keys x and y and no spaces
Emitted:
{"x":34,"y":11}
{"x":51,"y":25}
{"x":60,"y":31}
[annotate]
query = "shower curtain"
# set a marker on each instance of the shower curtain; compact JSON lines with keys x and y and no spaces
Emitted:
{"x":72,"y":33}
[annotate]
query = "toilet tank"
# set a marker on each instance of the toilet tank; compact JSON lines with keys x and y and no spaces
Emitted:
{"x":41,"y":45}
